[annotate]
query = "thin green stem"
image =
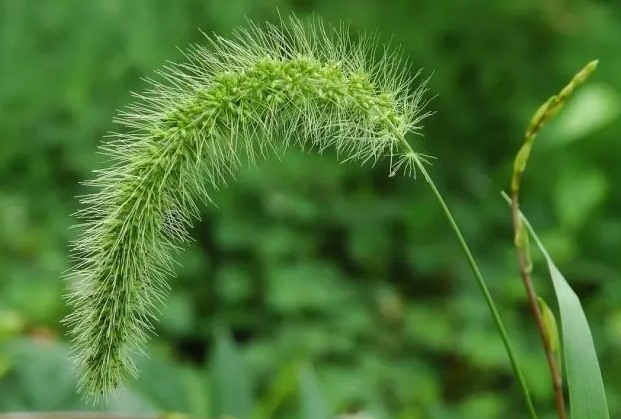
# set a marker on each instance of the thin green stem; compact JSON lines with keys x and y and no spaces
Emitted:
{"x":480,"y":281}
{"x":487,"y":296}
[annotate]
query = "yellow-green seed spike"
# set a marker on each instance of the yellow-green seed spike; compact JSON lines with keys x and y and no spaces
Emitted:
{"x":556,"y":102}
{"x":542,"y":116}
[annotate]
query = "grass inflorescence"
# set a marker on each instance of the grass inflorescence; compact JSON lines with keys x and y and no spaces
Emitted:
{"x":235,"y":101}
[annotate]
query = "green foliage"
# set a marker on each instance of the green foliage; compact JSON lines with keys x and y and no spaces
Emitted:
{"x":395,"y":326}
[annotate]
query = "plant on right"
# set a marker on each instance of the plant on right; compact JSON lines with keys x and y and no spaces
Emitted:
{"x":573,"y":347}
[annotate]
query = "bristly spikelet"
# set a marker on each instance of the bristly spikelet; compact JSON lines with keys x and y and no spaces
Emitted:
{"x":234,"y":101}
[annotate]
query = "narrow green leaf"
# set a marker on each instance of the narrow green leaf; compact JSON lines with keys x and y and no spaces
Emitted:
{"x":587,"y":396}
{"x":312,"y":403}
{"x":231,"y":390}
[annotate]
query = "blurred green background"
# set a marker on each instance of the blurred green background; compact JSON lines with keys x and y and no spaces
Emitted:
{"x":308,"y":261}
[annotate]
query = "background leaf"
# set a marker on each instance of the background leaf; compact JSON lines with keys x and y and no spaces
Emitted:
{"x":312,"y":403}
{"x":231,"y":390}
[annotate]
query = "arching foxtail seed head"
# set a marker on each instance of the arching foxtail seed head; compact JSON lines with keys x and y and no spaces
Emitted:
{"x":233,"y":101}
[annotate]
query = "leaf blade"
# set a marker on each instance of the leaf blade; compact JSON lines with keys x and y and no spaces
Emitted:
{"x":312,"y":403}
{"x":231,"y":389}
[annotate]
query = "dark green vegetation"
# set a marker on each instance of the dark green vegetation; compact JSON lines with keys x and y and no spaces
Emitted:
{"x":306,"y":259}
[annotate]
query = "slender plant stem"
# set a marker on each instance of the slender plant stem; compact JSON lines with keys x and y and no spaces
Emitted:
{"x":488,"y":298}
{"x":480,"y":281}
